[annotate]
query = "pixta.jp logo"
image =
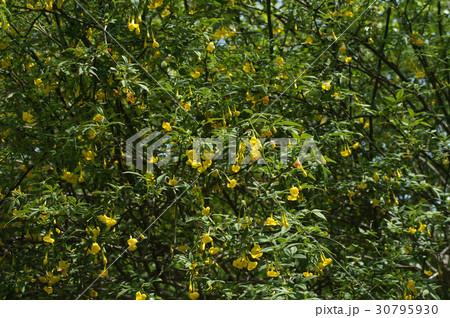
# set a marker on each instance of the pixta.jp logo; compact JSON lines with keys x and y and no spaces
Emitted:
{"x":155,"y":148}
{"x":146,"y":149}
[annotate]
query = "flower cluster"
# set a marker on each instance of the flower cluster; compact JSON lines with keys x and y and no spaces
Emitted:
{"x":69,"y":177}
{"x":245,"y":262}
{"x":109,"y":221}
{"x":200,"y":165}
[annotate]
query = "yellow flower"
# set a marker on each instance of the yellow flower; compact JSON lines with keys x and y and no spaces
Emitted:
{"x":95,"y":231}
{"x":346,"y":152}
{"x":62,"y":267}
{"x":48,"y":289}
{"x":49,"y":278}
{"x":165,"y":13}
{"x":293,"y":194}
{"x":255,"y":143}
{"x":422,"y":227}
{"x":375,"y":202}
{"x":166,"y":126}
{"x":38,"y":82}
{"x":326,"y":86}
{"x":88,"y":155}
{"x":98,"y":118}
{"x":348,"y":14}
{"x":255,"y":154}
{"x":69,"y":177}
{"x":155,"y":3}
{"x":221,"y":32}
{"x":356,"y":145}
{"x":255,"y":251}
{"x":412,"y":230}
{"x":93,"y":293}
{"x":231,"y":184}
{"x":307,"y":274}
{"x":395,"y":199}
{"x":27,"y":117}
{"x":428,"y":272}
{"x":284,"y":221}
{"x":137,"y":30}
{"x":103,"y":273}
{"x":131,"y":25}
{"x":48,"y":238}
{"x":193,"y":266}
{"x":108,"y":221}
{"x":251,"y":265}
{"x":155,"y":44}
{"x":348,"y":59}
{"x":186,"y":106}
{"x":214,"y":250}
{"x":173,"y":181}
{"x":325,"y":261}
{"x":131,"y":98}
{"x":376,"y":177}
{"x":80,"y":178}
{"x":419,"y":74}
{"x":350,"y":196}
{"x":272,"y":272}
{"x":334,"y":36}
{"x":104,"y":259}
{"x":248,"y":67}
{"x":336,"y":95}
{"x":100,"y":96}
{"x":132,"y":242}
{"x":309,"y":40}
{"x":195,"y":74}
{"x":183,"y":248}
{"x":362,"y":186}
{"x":205,"y":211}
{"x":235,"y":168}
{"x":140,"y":296}
{"x":240,"y":263}
{"x":271,"y":221}
{"x":190,"y":154}
{"x":298,"y":164}
{"x":192,"y":293}
{"x":211,"y":47}
{"x":206,"y":238}
{"x":95,"y":248}
{"x":280,"y":61}
{"x":411,"y":286}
